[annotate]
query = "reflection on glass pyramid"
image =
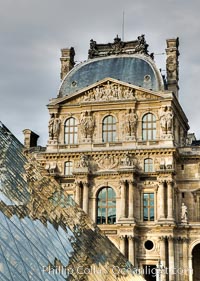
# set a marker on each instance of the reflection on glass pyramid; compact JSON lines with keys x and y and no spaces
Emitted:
{"x":44,"y":235}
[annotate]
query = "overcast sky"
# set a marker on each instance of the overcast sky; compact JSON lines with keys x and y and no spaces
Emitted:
{"x":32,"y":32}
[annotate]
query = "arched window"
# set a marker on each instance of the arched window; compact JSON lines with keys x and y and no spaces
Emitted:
{"x":106,"y":206}
{"x":68,"y":168}
{"x":71,"y":131}
{"x":149,"y":127}
{"x":148,"y":165}
{"x":109,"y":129}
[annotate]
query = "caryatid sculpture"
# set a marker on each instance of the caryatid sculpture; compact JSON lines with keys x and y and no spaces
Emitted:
{"x":130,"y":123}
{"x":87,"y":125}
{"x":166,"y":120}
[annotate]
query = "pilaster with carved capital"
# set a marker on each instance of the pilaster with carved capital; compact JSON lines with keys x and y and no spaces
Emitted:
{"x":122,"y":244}
{"x":162,"y":199}
{"x":170,"y":200}
{"x":123,"y":198}
{"x":85,"y":196}
{"x":77,"y":198}
{"x":171,"y":257}
{"x":131,"y":249}
{"x":163,"y":255}
{"x":132,"y":185}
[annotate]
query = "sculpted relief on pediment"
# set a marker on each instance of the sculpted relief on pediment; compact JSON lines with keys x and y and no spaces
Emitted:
{"x":110,"y":91}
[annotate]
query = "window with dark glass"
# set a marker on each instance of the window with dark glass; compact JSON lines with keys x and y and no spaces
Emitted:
{"x":149,"y":127}
{"x":106,"y":206}
{"x":71,"y":130}
{"x":109,"y":129}
{"x":68,"y":168}
{"x":148,"y":206}
{"x":148,"y":165}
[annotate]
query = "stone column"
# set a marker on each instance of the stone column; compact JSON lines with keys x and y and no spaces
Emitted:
{"x":122,"y":244}
{"x":162,"y":200}
{"x":170,"y":200}
{"x":190,"y":269}
{"x":131,"y":250}
{"x":185,"y":259}
{"x":177,"y":254}
{"x":171,"y":258}
{"x":123,"y":199}
{"x":162,"y":257}
{"x":78,"y":193}
{"x":85,"y":197}
{"x":131,"y":200}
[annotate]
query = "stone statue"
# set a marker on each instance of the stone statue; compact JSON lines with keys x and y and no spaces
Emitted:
{"x":51,"y":121}
{"x":93,"y":49}
{"x":83,"y":161}
{"x":169,"y":119}
{"x":87,"y":125}
{"x":54,"y":127}
{"x":166,"y":120}
{"x":130,"y":122}
{"x":184,"y":213}
{"x":142,"y":46}
{"x":127,"y":161}
{"x":171,"y":67}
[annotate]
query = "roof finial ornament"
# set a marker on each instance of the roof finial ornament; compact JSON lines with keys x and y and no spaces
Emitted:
{"x":117,"y":39}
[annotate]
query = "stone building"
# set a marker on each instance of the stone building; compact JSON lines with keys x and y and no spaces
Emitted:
{"x":119,"y":145}
{"x":44,"y":235}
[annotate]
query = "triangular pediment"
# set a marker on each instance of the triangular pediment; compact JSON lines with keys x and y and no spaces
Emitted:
{"x":110,"y":89}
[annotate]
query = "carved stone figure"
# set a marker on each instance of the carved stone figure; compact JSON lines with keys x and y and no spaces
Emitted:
{"x":51,"y":126}
{"x":166,"y":120}
{"x":54,"y":127}
{"x":109,"y":91}
{"x":117,"y":46}
{"x":83,"y":161}
{"x":142,"y":46}
{"x":87,"y":125}
{"x":93,"y":50}
{"x":171,"y":67}
{"x":130,"y":122}
{"x":184,"y":213}
{"x":169,"y":119}
{"x":128,"y":159}
{"x":108,"y":161}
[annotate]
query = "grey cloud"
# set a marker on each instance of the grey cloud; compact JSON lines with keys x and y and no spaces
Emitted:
{"x":33,"y":32}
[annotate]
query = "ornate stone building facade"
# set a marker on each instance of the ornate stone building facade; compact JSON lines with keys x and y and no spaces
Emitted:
{"x":119,"y":145}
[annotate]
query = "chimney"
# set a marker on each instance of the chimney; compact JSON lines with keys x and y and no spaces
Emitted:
{"x":30,"y":138}
{"x":67,"y":61}
{"x":172,"y":65}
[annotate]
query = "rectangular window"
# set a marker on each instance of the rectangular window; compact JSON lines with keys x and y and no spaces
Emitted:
{"x":148,"y":206}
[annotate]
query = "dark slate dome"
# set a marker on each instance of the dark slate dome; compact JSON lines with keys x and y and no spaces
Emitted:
{"x":138,"y":70}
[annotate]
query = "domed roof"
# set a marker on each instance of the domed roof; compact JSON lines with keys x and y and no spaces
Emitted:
{"x":138,"y":70}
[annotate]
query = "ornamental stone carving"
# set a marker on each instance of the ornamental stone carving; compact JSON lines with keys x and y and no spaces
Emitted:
{"x":166,"y":120}
{"x":87,"y":124}
{"x":130,"y":161}
{"x":83,"y":163}
{"x":138,"y":46}
{"x":184,"y":213}
{"x":109,"y":91}
{"x":54,"y":127}
{"x":142,"y":46}
{"x":130,"y":123}
{"x":171,"y":67}
{"x":107,"y":162}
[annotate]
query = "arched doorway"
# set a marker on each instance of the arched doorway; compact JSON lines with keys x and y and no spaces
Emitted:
{"x":195,"y":262}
